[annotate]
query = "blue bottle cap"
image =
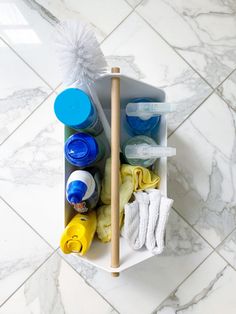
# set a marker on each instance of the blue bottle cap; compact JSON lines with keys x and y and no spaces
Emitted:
{"x":76,"y":190}
{"x":74,"y":108}
{"x":140,"y":126}
{"x":81,"y":149}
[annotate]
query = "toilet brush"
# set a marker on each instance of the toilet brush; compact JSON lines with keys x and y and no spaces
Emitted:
{"x":81,"y":60}
{"x":80,"y":56}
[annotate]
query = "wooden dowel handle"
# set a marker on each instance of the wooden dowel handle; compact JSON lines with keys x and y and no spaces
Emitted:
{"x":115,"y":168}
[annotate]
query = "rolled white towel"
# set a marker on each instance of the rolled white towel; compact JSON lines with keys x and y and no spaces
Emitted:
{"x":154,"y":204}
{"x":131,"y":223}
{"x":143,"y":202}
{"x":146,"y":219}
{"x":165,"y":207}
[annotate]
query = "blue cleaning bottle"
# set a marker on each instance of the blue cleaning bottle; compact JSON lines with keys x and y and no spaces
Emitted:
{"x":83,"y":150}
{"x":139,"y":125}
{"x":83,"y":189}
{"x":74,"y":108}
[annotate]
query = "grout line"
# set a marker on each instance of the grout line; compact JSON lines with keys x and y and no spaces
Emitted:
{"x":135,"y":6}
{"x":22,"y":284}
{"x":214,"y":89}
{"x":130,"y":4}
{"x":178,"y":286}
{"x":163,"y":38}
{"x":25,"y":62}
{"x":131,"y":12}
{"x":27,"y":223}
{"x":221,"y":243}
{"x":19,"y":125}
{"x":201,"y":236}
{"x":192,"y":227}
{"x":65,"y":260}
{"x":55,"y":90}
{"x":32,"y":112}
{"x":215,"y":249}
{"x":227,"y":262}
{"x":201,"y":103}
{"x":212,"y":92}
{"x":225,"y":79}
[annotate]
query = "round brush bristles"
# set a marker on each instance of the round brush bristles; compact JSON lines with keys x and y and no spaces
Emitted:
{"x":80,"y":56}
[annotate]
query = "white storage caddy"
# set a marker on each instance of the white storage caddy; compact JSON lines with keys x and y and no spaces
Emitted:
{"x":99,"y":253}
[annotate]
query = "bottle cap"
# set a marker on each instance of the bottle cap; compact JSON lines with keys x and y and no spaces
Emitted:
{"x":74,"y":108}
{"x":76,"y":191}
{"x":74,"y":246}
{"x":81,"y":149}
{"x":80,"y":186}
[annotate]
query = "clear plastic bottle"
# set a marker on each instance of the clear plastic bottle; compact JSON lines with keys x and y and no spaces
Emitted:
{"x":143,"y":151}
{"x":139,"y":124}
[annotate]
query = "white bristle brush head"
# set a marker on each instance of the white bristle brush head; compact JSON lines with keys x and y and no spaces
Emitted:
{"x":80,"y":56}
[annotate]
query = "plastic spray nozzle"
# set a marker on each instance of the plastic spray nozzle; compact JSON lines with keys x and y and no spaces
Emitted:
{"x":146,"y":110}
{"x":145,"y":151}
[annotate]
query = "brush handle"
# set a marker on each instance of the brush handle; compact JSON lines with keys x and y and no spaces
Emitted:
{"x":115,"y":170}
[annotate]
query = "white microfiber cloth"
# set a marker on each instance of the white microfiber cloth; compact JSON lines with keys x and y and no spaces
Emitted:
{"x":165,"y":207}
{"x":143,"y":202}
{"x":136,"y":220}
{"x":131,"y":222}
{"x":146,"y":219}
{"x":154,"y":204}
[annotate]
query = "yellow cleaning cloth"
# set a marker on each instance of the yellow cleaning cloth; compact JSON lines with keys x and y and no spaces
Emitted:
{"x":132,"y":179}
{"x":106,"y":184}
{"x":142,"y":178}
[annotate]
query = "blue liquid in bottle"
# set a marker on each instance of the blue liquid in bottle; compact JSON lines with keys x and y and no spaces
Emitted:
{"x":83,"y":150}
{"x":142,"y":126}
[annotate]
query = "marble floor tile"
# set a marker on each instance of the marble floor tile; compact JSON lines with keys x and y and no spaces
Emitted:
{"x":210,"y":289}
{"x":28,"y":27}
{"x":142,"y":54}
{"x":228,"y":91}
{"x":31,"y":36}
{"x":203,"y":32}
{"x":203,"y":172}
{"x":146,"y":285}
{"x":228,"y":249}
{"x":22,"y":251}
{"x":133,"y":3}
{"x":31,"y":172}
{"x":99,"y":13}
{"x":21,"y":91}
{"x":56,"y":289}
